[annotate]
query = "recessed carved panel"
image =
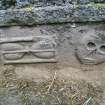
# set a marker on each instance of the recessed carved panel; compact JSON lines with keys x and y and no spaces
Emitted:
{"x":28,"y":49}
{"x":91,"y":49}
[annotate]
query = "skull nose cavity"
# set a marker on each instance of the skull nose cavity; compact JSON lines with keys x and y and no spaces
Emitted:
{"x":102,"y":49}
{"x":91,"y":45}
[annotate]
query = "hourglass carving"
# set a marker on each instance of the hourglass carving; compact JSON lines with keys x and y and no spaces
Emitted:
{"x":28,"y":50}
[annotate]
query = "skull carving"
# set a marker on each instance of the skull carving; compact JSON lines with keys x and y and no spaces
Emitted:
{"x":91,"y":49}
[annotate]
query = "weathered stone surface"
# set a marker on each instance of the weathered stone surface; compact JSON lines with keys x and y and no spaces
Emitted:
{"x":4,"y":4}
{"x":52,"y":14}
{"x":69,"y":46}
{"x":53,"y":43}
{"x":90,"y":1}
{"x":91,"y":49}
{"x":31,"y":12}
{"x":32,"y":49}
{"x":6,"y":98}
{"x":18,"y":83}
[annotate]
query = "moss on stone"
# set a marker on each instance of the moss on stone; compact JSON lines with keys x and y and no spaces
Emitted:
{"x":92,"y":5}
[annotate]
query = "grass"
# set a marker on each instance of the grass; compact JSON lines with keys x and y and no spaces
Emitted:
{"x":52,"y":92}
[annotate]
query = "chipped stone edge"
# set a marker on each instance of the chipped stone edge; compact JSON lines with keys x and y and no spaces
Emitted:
{"x":52,"y":14}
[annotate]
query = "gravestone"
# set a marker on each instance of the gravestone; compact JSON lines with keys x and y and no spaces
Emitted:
{"x":41,"y":38}
{"x":26,"y":45}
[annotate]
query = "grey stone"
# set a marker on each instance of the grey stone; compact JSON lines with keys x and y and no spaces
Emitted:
{"x":31,"y":49}
{"x":51,"y":14}
{"x":91,"y":49}
{"x":32,"y":12}
{"x":6,"y":98}
{"x":5,"y":4}
{"x":53,"y":43}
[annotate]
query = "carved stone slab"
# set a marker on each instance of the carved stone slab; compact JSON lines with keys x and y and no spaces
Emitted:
{"x":91,"y":49}
{"x":27,"y":49}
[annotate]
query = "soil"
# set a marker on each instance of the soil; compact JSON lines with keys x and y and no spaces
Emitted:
{"x":50,"y":85}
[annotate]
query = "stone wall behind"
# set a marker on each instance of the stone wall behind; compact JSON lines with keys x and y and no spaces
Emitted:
{"x":46,"y":11}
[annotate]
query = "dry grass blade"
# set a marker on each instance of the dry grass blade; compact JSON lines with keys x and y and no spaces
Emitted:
{"x":87,"y":101}
{"x":53,"y":80}
{"x":59,"y":92}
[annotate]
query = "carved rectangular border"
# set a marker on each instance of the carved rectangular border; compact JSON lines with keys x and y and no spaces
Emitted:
{"x":19,"y":40}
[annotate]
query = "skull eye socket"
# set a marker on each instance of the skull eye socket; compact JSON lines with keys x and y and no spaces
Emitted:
{"x":91,"y":46}
{"x":102,"y":49}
